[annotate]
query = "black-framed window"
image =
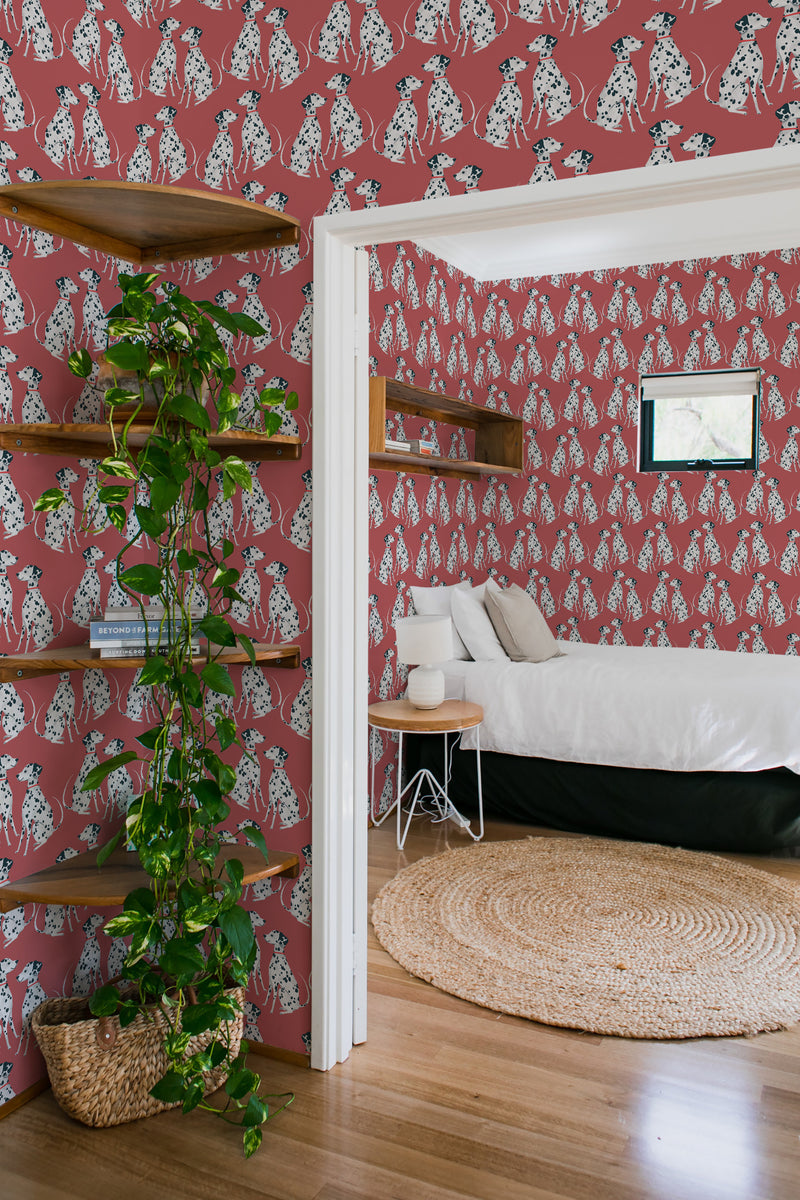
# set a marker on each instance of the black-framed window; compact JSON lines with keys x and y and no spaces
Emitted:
{"x":696,"y":420}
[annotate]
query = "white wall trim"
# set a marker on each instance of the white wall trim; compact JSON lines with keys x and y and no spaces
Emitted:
{"x":671,"y":194}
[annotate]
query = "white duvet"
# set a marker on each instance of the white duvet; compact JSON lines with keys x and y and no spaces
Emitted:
{"x":629,"y":706}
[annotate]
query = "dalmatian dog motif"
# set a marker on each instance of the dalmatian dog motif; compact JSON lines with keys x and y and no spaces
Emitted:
{"x":470,"y":176}
{"x":60,"y":523}
{"x":307,"y":146}
{"x":37,"y":620}
{"x":7,"y":763}
{"x":579,"y":161}
{"x":219,"y":163}
{"x":248,"y":772}
{"x":36,"y":31}
{"x":118,"y":73}
{"x":476,"y":24}
{"x":7,"y":965}
{"x":661,"y":132}
{"x":300,"y":900}
{"x":445,"y":110}
{"x":86,"y":37}
{"x":249,"y":588}
{"x":95,"y":694}
{"x":282,"y":57}
{"x":34,"y":994}
{"x":402,"y":130}
{"x":246,"y":53}
{"x":87,"y":973}
{"x":59,"y":136}
{"x":86,"y":601}
{"x":197,"y":78}
{"x":374,"y":38}
{"x":256,"y":141}
{"x":505,"y":115}
{"x":669,"y":69}
{"x":544,"y":148}
{"x":699,"y":144}
{"x":37,"y":815}
{"x":339,"y":201}
{"x":82,"y":800}
{"x":335,"y":33}
{"x":437,"y":165}
{"x":283,"y":616}
{"x":300,"y":713}
{"x":6,"y":390}
{"x":618,"y":97}
{"x":7,"y":559}
{"x":300,"y":343}
{"x":551,"y":91}
{"x":254,"y":308}
{"x":431,"y":16}
{"x":744,"y":74}
{"x":172,"y":160}
{"x":12,"y":712}
{"x":11,"y":306}
{"x":11,"y":105}
{"x":300,"y":526}
{"x":347,"y":128}
{"x":140,"y":163}
{"x":283,"y":988}
{"x":164,"y":67}
{"x":60,"y":716}
{"x":94,"y":142}
{"x":787,"y":42}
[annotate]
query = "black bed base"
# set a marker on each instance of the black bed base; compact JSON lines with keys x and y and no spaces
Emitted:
{"x":755,"y":812}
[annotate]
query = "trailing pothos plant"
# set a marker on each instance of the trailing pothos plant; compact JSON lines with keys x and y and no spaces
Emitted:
{"x":191,"y":941}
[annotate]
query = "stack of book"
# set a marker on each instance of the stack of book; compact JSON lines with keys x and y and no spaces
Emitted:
{"x":131,"y":633}
{"x":414,"y":446}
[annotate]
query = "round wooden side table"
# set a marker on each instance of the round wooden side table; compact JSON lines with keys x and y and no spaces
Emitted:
{"x":451,"y":716}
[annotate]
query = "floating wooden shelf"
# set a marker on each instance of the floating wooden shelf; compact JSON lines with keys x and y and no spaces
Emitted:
{"x":94,"y":441}
{"x":498,"y":436}
{"x":82,"y":658}
{"x":146,"y":223}
{"x":80,"y":881}
{"x":427,"y":464}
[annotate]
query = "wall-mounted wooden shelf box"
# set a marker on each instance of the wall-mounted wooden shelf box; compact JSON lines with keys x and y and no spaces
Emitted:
{"x":498,"y":437}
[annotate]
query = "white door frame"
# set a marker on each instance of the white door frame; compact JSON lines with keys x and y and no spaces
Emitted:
{"x":671,"y":203}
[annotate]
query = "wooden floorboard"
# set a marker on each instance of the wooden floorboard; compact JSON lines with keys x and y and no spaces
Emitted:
{"x":448,"y":1101}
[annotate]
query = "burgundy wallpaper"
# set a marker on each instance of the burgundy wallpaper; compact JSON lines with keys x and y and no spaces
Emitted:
{"x":317,"y":106}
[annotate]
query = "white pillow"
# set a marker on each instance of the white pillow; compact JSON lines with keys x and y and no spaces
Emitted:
{"x":436,"y":602}
{"x":474,"y":626}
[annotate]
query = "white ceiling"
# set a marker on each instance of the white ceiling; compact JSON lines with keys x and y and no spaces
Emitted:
{"x":650,"y":232}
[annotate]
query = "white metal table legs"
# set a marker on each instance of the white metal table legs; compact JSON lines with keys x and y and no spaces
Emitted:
{"x":424,"y":786}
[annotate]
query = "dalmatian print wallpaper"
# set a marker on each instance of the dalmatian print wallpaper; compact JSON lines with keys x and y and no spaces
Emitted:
{"x":316,"y":106}
{"x":699,"y":559}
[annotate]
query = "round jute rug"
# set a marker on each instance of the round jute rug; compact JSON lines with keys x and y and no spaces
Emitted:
{"x":638,"y":940}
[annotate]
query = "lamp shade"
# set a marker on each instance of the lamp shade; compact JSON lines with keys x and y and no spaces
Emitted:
{"x":424,"y":639}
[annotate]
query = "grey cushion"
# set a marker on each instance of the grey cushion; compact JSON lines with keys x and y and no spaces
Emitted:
{"x":520,"y":626}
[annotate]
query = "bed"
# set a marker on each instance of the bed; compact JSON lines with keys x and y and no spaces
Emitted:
{"x":687,"y":747}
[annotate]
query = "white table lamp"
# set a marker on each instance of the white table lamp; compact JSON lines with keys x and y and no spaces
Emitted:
{"x":424,"y":640}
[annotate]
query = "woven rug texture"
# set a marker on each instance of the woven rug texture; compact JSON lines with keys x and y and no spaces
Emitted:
{"x":622,"y":938}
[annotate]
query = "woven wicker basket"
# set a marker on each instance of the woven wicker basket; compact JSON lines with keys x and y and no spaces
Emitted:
{"x":101,"y":1074}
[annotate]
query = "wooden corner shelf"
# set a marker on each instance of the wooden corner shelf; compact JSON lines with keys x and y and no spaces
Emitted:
{"x":498,"y":436}
{"x":82,"y":658}
{"x":94,"y":441}
{"x":146,"y":223}
{"x":80,"y":881}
